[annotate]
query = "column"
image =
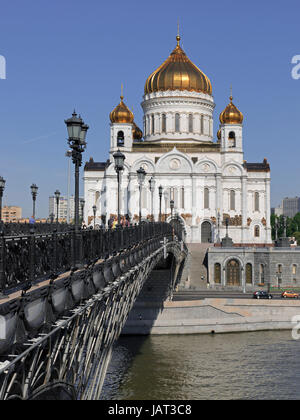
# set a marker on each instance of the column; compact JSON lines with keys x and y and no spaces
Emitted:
{"x":244,"y":208}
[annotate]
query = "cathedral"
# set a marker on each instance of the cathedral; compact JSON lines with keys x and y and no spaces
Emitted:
{"x":213,"y":190}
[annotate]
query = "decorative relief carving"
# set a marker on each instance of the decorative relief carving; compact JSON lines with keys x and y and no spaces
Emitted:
{"x":249,"y":221}
{"x":175,"y":164}
{"x":232,"y":221}
{"x":144,"y":166}
{"x":263,"y":221}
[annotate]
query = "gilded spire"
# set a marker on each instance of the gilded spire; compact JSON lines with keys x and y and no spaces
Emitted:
{"x":178,"y":36}
{"x":122,"y":96}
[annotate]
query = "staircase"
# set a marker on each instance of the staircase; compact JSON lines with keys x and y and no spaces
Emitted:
{"x":196,"y":268}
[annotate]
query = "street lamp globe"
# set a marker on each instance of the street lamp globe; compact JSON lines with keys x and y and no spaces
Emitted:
{"x":2,"y":183}
{"x":74,"y":126}
{"x":152,"y":184}
{"x":141,"y":174}
{"x":119,"y":160}
{"x":34,"y":190}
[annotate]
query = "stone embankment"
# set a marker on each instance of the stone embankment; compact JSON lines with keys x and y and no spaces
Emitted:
{"x":211,"y":315}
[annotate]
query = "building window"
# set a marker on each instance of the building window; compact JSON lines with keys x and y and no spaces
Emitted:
{"x":163,"y":123}
{"x":182,"y":197}
{"x":152,"y":124}
{"x":279,"y":268}
{"x":256,"y":231}
{"x":120,"y":138}
{"x":177,"y":123}
{"x":256,"y":201}
{"x":249,"y":273}
{"x":191,"y":128}
{"x":262,"y":274}
{"x":206,"y":198}
{"x":144,"y":198}
{"x":232,"y":200}
{"x":231,"y":139}
{"x":217,"y":273}
{"x":201,"y":124}
{"x":294,"y":269}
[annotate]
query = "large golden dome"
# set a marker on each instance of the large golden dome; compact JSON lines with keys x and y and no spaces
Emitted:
{"x":178,"y":73}
{"x":231,"y":115}
{"x":121,"y":113}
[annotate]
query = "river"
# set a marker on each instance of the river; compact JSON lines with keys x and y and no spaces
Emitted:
{"x":253,"y":365}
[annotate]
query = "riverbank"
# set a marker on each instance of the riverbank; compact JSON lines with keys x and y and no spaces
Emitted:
{"x":211,"y":315}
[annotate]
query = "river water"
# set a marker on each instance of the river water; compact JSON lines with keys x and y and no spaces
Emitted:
{"x":253,"y":365}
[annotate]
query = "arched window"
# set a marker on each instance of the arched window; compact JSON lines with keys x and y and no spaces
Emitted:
{"x":279,"y":268}
{"x":182,"y":198}
{"x":177,"y":123}
{"x":256,"y":231}
{"x":191,"y":128}
{"x":256,"y":201}
{"x":217,"y":277}
{"x":249,"y":273}
{"x":232,"y":200}
{"x":201,"y":124}
{"x":120,"y":138}
{"x":231,"y":139}
{"x":206,"y":198}
{"x":144,"y":198}
{"x":152,"y":124}
{"x":163,"y":123}
{"x":294,"y":269}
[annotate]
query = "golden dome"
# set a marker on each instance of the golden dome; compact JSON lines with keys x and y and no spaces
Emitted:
{"x":121,"y":114}
{"x":178,"y":73}
{"x":231,"y":115}
{"x":219,"y":134}
{"x":137,"y":133}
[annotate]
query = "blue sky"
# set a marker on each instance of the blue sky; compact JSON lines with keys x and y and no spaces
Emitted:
{"x":65,"y":54}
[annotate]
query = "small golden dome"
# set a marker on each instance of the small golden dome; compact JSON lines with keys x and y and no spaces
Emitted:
{"x":219,"y":134}
{"x":121,"y":113}
{"x":137,"y":133}
{"x":178,"y":73}
{"x":231,"y":115}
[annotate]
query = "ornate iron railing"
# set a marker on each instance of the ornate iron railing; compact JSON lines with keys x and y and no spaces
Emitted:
{"x":17,"y":229}
{"x":26,"y":259}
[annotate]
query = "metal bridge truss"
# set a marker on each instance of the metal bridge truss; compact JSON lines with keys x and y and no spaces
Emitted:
{"x":69,"y":361}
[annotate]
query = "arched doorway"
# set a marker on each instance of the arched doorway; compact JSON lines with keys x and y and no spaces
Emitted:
{"x":233,"y":273}
{"x":206,"y":232}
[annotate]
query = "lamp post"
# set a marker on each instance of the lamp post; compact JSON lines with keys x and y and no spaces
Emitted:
{"x":119,"y":166}
{"x":141,"y":174}
{"x":160,"y":192}
{"x":34,"y":190}
{"x":77,"y":130}
{"x":152,"y":188}
{"x":82,"y":203}
{"x":94,"y":211}
{"x":166,"y":196}
{"x":172,"y":208}
{"x":218,"y":217}
{"x":52,"y":217}
{"x":2,"y":186}
{"x":68,"y":154}
{"x":57,"y":195}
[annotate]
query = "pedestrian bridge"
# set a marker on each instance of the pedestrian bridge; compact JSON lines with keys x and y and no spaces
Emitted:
{"x":58,"y":325}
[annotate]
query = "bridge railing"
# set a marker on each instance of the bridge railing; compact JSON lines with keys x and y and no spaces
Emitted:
{"x":26,"y":259}
{"x":17,"y":229}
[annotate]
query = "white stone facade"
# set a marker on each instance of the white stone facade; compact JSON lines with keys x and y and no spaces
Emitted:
{"x":208,"y":180}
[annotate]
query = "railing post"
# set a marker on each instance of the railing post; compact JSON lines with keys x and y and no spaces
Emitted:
{"x":2,"y":264}
{"x":31,"y":255}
